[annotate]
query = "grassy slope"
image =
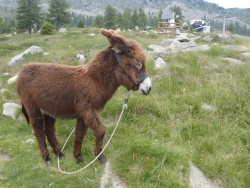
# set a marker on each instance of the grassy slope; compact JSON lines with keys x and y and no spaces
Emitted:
{"x":159,"y":135}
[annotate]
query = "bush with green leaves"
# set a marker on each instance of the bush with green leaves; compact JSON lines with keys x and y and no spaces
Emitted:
{"x":47,"y":29}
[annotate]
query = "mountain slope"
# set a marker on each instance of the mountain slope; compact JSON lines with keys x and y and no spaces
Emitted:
{"x":192,"y":9}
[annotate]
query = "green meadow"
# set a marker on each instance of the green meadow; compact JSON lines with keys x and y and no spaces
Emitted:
{"x":159,"y":135}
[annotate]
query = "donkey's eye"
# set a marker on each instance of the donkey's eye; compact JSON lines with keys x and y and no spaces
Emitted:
{"x":138,"y":66}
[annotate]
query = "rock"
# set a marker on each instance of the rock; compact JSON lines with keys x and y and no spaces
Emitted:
{"x":160,"y":63}
{"x":224,"y":37}
{"x":91,"y":34}
{"x":46,"y":53}
{"x":32,"y":50}
{"x":234,"y":61}
{"x":207,"y":38}
{"x":198,"y":179}
{"x":166,"y":42}
{"x":118,"y":30}
{"x":208,"y":107}
{"x":235,"y":48}
{"x":247,"y":54}
{"x":152,"y":32}
{"x":159,"y":51}
{"x":179,"y":46}
{"x":197,"y":48}
{"x":10,"y":110}
{"x":9,"y":35}
{"x":81,"y":58}
{"x":12,"y":79}
{"x":63,"y":30}
{"x":182,"y":38}
{"x":6,"y":74}
{"x":3,"y":90}
{"x":145,"y":32}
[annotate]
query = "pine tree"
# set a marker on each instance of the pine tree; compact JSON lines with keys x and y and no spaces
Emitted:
{"x":231,"y":28}
{"x":178,"y":11}
{"x":110,"y":17}
{"x":98,"y":22}
{"x":28,"y":14}
{"x":120,"y":21}
{"x":127,"y":18}
{"x":1,"y":25}
{"x":142,"y":18}
{"x":135,"y":18}
{"x":80,"y":24}
{"x":58,"y":14}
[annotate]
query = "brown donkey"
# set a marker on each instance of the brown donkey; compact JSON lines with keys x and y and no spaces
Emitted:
{"x":50,"y":91}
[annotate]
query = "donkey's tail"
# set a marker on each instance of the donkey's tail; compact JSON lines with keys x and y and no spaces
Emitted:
{"x":25,"y":114}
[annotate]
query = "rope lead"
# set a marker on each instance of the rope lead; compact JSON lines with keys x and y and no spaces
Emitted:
{"x":125,"y":106}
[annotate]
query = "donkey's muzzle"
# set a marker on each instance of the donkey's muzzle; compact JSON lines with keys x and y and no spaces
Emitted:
{"x":145,"y":86}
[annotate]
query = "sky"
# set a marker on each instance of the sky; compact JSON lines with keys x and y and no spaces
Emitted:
{"x":231,"y":3}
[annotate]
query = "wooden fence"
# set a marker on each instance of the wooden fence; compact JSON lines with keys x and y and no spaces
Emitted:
{"x":172,"y":28}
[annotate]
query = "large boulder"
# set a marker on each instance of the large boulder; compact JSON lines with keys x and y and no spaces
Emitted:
{"x":159,"y":51}
{"x":160,"y":63}
{"x":12,"y":79}
{"x":10,"y":109}
{"x":31,"y":51}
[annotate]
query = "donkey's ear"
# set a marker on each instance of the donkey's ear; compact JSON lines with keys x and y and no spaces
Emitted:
{"x":114,"y":38}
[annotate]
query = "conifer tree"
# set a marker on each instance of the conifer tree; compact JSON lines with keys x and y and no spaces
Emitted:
{"x":58,"y":14}
{"x":98,"y":22}
{"x":28,"y":14}
{"x":142,"y":18}
{"x":127,"y":18}
{"x":120,"y":21}
{"x":110,"y":17}
{"x":135,"y":18}
{"x":80,"y":24}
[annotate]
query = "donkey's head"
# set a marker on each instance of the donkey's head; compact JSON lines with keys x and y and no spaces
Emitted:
{"x":131,"y":58}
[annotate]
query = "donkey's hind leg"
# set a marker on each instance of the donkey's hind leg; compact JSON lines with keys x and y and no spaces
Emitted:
{"x":36,"y":121}
{"x":49,"y":125}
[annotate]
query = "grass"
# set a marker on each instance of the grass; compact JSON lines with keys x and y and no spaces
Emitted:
{"x":159,"y":135}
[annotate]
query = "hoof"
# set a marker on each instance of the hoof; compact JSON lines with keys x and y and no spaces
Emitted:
{"x":102,"y":159}
{"x":61,"y":155}
{"x":47,"y":160}
{"x":79,"y":160}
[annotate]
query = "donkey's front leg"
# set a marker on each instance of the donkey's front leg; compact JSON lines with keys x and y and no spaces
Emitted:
{"x":81,"y":130}
{"x":92,"y":120}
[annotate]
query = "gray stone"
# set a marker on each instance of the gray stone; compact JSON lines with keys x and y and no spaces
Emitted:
{"x":197,"y":48}
{"x":247,"y":54}
{"x":10,"y":109}
{"x":166,"y":42}
{"x":236,"y":48}
{"x":198,"y":179}
{"x":159,"y":51}
{"x":31,"y":51}
{"x":91,"y":34}
{"x":63,"y":30}
{"x":208,"y":107}
{"x":234,"y":61}
{"x":12,"y":79}
{"x":160,"y":63}
{"x":81,"y":58}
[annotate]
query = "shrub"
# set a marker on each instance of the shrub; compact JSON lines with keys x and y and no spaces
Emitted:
{"x":47,"y":29}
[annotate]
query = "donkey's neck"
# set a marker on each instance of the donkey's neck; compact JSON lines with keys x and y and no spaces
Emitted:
{"x":102,"y":72}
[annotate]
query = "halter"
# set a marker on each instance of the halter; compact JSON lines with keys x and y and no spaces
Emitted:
{"x":120,"y":64}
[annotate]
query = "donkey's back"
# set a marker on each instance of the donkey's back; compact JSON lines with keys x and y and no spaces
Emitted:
{"x":49,"y":87}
